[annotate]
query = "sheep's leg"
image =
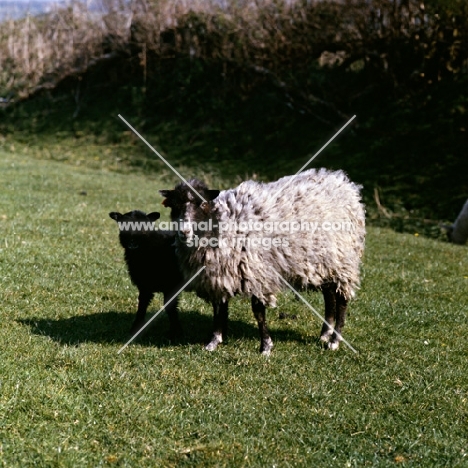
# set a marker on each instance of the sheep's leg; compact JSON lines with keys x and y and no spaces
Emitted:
{"x":266,"y":343}
{"x":175,"y":330}
{"x":341,"y":306}
{"x":220,"y":320}
{"x":329,"y":295}
{"x":144,"y":299}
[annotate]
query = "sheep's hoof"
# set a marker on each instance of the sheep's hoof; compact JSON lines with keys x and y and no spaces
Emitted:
{"x":215,"y":341}
{"x":211,"y":346}
{"x":326,"y":335}
{"x":266,"y":347}
{"x":334,"y":345}
{"x":325,"y":338}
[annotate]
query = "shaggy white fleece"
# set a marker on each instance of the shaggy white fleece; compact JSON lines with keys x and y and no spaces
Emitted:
{"x":326,"y":198}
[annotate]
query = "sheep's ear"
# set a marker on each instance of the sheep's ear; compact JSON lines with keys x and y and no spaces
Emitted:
{"x":212,"y":194}
{"x":168,"y":194}
{"x":154,"y":215}
{"x":116,"y":216}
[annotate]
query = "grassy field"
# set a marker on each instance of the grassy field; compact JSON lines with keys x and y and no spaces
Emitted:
{"x":67,"y":398}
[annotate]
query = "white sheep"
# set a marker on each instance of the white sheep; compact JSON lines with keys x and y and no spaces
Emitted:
{"x":458,"y":231}
{"x":252,"y":259}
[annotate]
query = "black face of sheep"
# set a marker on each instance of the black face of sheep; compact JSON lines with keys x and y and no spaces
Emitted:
{"x":188,"y":208}
{"x":178,"y":198}
{"x":135,"y":228}
{"x":151,"y":263}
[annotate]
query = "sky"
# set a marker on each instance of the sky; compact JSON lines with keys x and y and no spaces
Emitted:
{"x":18,"y":8}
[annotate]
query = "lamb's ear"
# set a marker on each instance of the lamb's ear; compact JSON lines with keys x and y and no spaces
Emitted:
{"x":154,"y":215}
{"x":116,"y":216}
{"x":168,"y":194}
{"x":212,"y":194}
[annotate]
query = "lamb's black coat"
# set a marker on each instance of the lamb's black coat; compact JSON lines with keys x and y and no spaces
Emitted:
{"x":152,"y":264}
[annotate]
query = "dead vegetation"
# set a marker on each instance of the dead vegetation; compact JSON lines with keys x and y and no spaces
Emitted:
{"x":400,"y":43}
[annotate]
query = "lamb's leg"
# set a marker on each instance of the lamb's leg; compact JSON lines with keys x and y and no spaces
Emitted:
{"x":266,"y":343}
{"x":144,"y":299}
{"x":220,"y":320}
{"x":329,"y":295}
{"x":341,"y":306}
{"x":175,"y":329}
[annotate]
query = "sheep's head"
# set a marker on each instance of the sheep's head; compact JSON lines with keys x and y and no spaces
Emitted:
{"x":190,"y":204}
{"x":135,"y":227}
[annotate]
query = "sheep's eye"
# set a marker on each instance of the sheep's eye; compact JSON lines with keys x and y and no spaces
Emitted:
{"x":204,"y":205}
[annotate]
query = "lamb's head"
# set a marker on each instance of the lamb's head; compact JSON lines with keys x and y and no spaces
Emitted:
{"x":135,"y":227}
{"x":190,"y":204}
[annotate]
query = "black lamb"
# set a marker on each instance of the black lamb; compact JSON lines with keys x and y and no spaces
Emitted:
{"x":152,"y":264}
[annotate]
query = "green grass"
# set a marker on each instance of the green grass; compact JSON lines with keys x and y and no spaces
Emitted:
{"x":67,"y":398}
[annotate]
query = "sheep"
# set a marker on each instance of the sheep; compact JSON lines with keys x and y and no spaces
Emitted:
{"x":145,"y":249}
{"x":151,"y":263}
{"x":326,"y":259}
{"x":458,"y":231}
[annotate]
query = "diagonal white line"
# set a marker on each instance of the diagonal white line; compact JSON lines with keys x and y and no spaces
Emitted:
{"x":314,"y":311}
{"x":157,"y":154}
{"x":161,"y":309}
{"x":315,"y":155}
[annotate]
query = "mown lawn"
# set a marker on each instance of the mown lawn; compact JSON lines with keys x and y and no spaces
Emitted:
{"x":67,"y":399}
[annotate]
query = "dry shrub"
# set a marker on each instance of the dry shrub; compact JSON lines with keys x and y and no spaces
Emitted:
{"x":399,"y":43}
{"x":37,"y":53}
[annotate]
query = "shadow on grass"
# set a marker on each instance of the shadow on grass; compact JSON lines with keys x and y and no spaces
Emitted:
{"x":113,"y":327}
